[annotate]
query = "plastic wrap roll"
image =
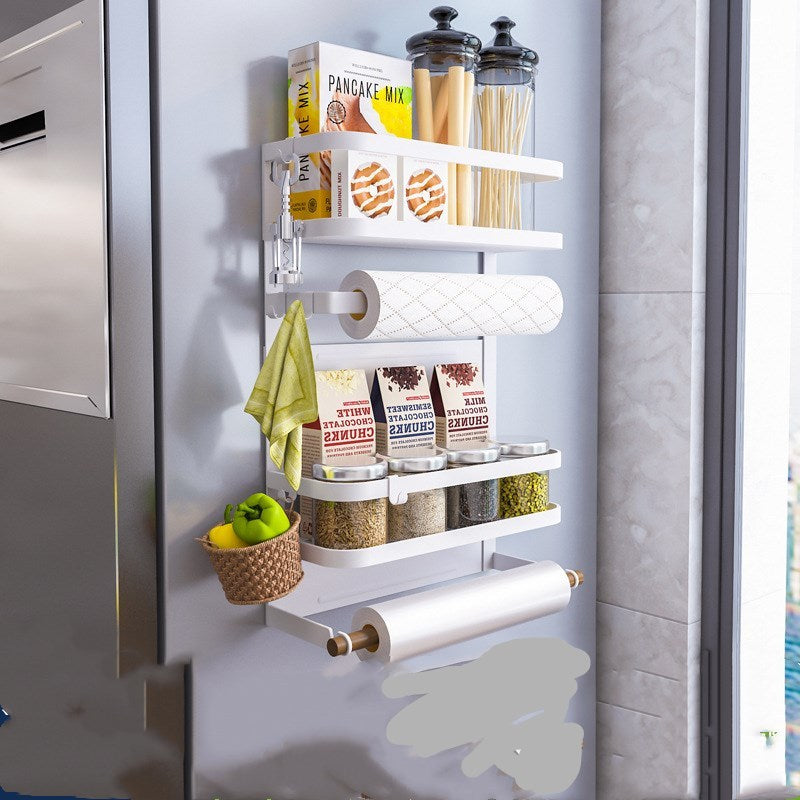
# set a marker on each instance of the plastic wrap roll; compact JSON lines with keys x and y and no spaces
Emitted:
{"x":408,"y":626}
{"x":434,"y":305}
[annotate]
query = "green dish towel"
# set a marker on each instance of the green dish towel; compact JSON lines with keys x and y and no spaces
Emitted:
{"x":284,"y":397}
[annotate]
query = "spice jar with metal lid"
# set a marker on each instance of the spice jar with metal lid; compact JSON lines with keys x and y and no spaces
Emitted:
{"x":504,"y":102}
{"x":528,"y":493}
{"x":444,"y":62}
{"x":472,"y":503}
{"x":423,"y":512}
{"x":349,"y":525}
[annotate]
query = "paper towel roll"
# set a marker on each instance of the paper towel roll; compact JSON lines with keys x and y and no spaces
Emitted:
{"x":418,"y":623}
{"x":433,"y":305}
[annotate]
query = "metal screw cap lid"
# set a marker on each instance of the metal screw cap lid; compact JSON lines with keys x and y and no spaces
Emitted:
{"x":517,"y":448}
{"x":473,"y":453}
{"x":358,"y":468}
{"x":423,"y":459}
{"x":443,"y":38}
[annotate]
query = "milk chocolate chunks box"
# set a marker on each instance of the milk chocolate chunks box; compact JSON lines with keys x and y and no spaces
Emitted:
{"x":459,"y":402}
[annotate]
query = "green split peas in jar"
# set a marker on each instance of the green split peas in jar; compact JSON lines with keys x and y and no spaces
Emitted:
{"x":528,"y":493}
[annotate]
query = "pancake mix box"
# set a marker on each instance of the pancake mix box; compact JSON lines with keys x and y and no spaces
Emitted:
{"x":334,"y":88}
{"x":344,"y":428}
{"x":423,"y":191}
{"x":364,"y":185}
{"x":459,"y":402}
{"x":401,"y":402}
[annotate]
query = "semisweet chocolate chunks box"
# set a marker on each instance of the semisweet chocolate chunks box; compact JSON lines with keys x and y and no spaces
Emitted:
{"x":459,"y":403}
{"x":401,"y":403}
{"x":344,"y":428}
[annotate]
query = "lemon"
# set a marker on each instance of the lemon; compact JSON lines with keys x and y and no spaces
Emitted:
{"x":224,"y":537}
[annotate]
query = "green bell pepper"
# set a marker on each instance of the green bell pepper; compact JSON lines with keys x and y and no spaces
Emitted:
{"x":258,"y":519}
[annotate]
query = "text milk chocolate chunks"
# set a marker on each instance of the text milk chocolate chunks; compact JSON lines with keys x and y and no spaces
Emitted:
{"x":344,"y":428}
{"x":401,"y":401}
{"x":459,"y":403}
{"x":334,"y":88}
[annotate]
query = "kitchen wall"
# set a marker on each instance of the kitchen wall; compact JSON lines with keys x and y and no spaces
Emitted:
{"x":273,"y":716}
{"x":652,"y":282}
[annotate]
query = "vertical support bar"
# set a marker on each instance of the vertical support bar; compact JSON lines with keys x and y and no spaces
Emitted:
{"x":488,"y":266}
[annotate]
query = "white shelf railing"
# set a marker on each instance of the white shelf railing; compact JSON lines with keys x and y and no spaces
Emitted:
{"x":398,"y":487}
{"x":532,"y":170}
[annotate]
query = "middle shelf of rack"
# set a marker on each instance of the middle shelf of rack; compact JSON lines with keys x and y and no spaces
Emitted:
{"x":397,"y":488}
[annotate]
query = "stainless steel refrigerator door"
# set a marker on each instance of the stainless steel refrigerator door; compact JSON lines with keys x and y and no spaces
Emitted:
{"x":54,"y":326}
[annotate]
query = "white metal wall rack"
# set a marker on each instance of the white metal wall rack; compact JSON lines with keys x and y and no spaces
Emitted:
{"x":338,"y":578}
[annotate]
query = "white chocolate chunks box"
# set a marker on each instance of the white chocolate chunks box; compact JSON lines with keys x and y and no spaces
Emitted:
{"x":344,"y":428}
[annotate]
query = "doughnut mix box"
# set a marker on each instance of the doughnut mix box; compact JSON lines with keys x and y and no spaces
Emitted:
{"x":364,"y":185}
{"x":459,"y":402}
{"x":401,"y":402}
{"x":423,"y":193}
{"x":344,"y":428}
{"x":334,"y":88}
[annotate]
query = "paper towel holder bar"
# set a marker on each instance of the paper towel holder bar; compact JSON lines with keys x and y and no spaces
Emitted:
{"x":367,"y":638}
{"x":276,"y":303}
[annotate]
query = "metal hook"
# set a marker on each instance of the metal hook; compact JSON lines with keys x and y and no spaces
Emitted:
{"x":290,"y":166}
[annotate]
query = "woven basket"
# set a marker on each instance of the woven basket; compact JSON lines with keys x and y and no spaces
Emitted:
{"x":261,"y":572}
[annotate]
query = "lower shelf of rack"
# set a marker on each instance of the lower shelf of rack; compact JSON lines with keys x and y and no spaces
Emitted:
{"x":395,"y":551}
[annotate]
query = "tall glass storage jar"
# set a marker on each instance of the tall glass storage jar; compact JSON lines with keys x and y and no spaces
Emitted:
{"x":528,"y":493}
{"x":424,"y":512}
{"x":444,"y":62}
{"x":474,"y":502}
{"x":349,"y":525}
{"x":504,"y":114}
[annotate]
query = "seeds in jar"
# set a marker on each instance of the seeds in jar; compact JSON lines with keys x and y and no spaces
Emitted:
{"x":349,"y":526}
{"x":472,"y":504}
{"x":422,"y":514}
{"x":524,"y":494}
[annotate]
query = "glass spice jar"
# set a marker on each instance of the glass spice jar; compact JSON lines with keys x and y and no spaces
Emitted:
{"x":423,"y":512}
{"x":528,"y":493}
{"x":350,"y":525}
{"x":476,"y":502}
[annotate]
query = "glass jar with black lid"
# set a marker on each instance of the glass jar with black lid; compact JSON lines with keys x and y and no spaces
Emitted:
{"x":505,"y":83}
{"x":444,"y":61}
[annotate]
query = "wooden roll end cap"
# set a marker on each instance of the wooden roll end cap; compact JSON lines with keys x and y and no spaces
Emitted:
{"x":365,"y":639}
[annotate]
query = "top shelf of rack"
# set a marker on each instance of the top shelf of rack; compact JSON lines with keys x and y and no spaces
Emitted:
{"x":532,"y":170}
